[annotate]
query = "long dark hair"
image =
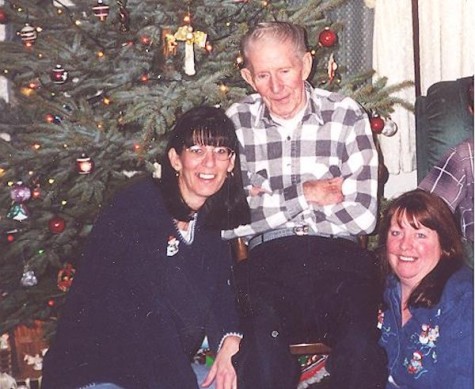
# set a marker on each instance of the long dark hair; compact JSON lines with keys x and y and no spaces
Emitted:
{"x":420,"y":207}
{"x":208,"y":126}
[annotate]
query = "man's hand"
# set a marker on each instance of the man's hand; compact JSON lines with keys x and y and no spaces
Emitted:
{"x":256,"y":191}
{"x":223,"y":370}
{"x":324,"y":192}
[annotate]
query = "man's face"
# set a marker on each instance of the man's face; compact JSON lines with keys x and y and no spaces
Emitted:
{"x":277,"y":73}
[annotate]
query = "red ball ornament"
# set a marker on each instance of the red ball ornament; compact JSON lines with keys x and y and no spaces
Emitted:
{"x":327,"y":37}
{"x":56,"y":225}
{"x":377,"y":124}
{"x":3,"y":16}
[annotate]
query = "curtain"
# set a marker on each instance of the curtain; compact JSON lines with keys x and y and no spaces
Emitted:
{"x":447,"y":40}
{"x":393,"y":58}
{"x":3,"y":80}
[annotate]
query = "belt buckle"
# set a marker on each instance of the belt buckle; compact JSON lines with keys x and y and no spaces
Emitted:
{"x":300,"y":230}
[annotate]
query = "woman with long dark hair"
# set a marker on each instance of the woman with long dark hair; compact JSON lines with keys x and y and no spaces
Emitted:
{"x":155,"y":276}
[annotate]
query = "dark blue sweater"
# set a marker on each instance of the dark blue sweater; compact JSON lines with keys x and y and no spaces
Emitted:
{"x":434,"y":349}
{"x":137,"y":311}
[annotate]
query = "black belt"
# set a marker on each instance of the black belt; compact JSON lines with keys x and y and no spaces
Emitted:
{"x":296,"y":231}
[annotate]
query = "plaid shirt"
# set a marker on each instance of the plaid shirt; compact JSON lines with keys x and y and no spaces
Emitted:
{"x":452,"y":180}
{"x":333,"y":139}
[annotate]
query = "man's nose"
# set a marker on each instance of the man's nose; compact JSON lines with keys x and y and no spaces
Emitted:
{"x":275,"y":84}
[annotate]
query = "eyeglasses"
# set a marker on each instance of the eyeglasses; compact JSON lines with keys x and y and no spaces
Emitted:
{"x":221,"y":153}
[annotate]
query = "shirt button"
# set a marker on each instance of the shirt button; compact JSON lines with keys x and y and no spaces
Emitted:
{"x":275,"y":334}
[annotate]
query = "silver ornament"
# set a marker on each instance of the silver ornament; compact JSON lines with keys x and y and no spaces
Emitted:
{"x":390,"y":128}
{"x":29,"y":278}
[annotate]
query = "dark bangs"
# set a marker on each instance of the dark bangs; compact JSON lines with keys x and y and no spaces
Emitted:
{"x":215,"y":135}
{"x":206,"y":126}
{"x":415,"y":216}
{"x":420,"y":208}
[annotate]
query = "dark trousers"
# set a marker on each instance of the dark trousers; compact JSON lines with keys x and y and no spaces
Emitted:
{"x":306,"y":289}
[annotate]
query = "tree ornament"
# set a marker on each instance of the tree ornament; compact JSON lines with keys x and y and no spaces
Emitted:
{"x":168,"y":41}
{"x":53,"y":119}
{"x":18,"y":212}
{"x":20,"y":192}
{"x":5,"y":136}
{"x":124,"y":18}
{"x":390,"y":128}
{"x":377,"y":124}
{"x":101,"y":10}
{"x":28,"y":278}
{"x":327,"y":37}
{"x":332,"y":66}
{"x":186,"y":34}
{"x":239,"y":61}
{"x":59,"y":75}
{"x":65,"y":277}
{"x":11,"y":235}
{"x":28,"y":35}
{"x":3,"y":16}
{"x":36,"y":192}
{"x":84,"y":164}
{"x":56,"y":224}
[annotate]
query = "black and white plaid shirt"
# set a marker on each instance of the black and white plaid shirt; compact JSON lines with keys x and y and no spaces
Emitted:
{"x":452,"y":180}
{"x":333,"y":139}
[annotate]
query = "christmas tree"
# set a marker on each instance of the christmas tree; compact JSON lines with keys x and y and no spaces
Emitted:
{"x":96,"y":86}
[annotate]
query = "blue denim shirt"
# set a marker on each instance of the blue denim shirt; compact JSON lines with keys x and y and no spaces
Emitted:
{"x":434,"y":349}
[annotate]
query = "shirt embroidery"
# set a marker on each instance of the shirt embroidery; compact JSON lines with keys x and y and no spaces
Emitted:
{"x":425,"y":344}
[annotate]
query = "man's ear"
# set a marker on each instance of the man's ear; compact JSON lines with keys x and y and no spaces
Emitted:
{"x":307,"y":61}
{"x":247,"y":76}
{"x":174,"y":159}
